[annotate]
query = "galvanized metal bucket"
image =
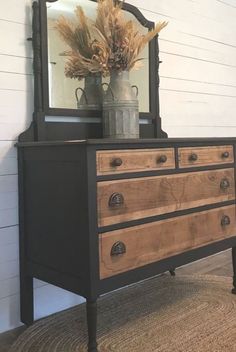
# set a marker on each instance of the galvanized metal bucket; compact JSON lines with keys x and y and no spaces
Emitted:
{"x":92,"y":93}
{"x":120,"y":108}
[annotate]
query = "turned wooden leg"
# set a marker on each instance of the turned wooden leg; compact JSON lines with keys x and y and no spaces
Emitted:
{"x":26,"y":299}
{"x":172,"y":272}
{"x":234,"y":269}
{"x":92,"y":325}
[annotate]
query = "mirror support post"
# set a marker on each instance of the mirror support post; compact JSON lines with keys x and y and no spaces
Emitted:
{"x":38,"y":115}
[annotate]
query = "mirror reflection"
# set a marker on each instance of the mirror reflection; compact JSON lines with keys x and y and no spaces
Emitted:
{"x":65,"y":92}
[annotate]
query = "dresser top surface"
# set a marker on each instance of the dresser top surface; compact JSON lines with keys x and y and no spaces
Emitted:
{"x":131,"y":142}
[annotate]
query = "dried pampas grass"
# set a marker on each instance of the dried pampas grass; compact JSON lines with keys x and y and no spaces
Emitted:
{"x":122,"y":35}
{"x":111,"y":42}
{"x":87,"y":55}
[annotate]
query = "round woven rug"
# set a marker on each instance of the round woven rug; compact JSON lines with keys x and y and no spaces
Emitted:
{"x":164,"y":314}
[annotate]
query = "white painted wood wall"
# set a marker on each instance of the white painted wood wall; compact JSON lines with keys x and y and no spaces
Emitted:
{"x":197,"y":93}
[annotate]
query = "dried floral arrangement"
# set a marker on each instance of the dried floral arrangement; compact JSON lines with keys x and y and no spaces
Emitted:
{"x":111,"y":42}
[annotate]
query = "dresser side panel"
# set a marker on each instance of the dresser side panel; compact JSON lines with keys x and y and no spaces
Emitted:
{"x":56,"y":209}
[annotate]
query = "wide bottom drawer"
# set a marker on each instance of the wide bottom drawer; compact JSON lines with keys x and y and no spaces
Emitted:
{"x":130,"y":248}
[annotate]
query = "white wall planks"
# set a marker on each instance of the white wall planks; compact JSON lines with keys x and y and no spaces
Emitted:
{"x":9,"y":269}
{"x":48,"y":300}
{"x":10,"y":312}
{"x":196,"y":109}
{"x":197,"y":96}
{"x":11,"y":286}
{"x":9,"y":252}
{"x":8,"y":166}
{"x":198,"y":73}
{"x":8,"y":235}
{"x":15,"y":115}
{"x":8,"y":202}
{"x":15,"y":82}
{"x":8,"y":217}
{"x":16,"y":107}
{"x":16,"y":64}
{"x":8,"y":183}
{"x":198,"y":86}
{"x":16,"y":11}
{"x":8,"y":158}
{"x":7,"y":149}
{"x":15,"y":42}
{"x":44,"y":304}
{"x":198,"y":131}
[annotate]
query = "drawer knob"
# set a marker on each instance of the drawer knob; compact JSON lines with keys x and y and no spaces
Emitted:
{"x":225,"y":221}
{"x":162,"y":159}
{"x":225,"y":155}
{"x":193,"y":157}
{"x":116,"y":162}
{"x":118,"y":248}
{"x":224,"y":184}
{"x":116,"y":200}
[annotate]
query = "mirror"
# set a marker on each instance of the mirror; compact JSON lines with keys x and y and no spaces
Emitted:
{"x":67,"y":93}
{"x":57,"y":115}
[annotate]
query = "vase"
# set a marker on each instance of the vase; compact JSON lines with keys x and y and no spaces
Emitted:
{"x":120,"y":108}
{"x":92,"y":93}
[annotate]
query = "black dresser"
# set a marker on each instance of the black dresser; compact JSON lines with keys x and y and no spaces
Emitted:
{"x":96,"y":215}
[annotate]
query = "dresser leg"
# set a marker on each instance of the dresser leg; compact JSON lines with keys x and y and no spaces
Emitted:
{"x":234,"y":269}
{"x":92,"y":325}
{"x":172,"y":272}
{"x":26,"y":299}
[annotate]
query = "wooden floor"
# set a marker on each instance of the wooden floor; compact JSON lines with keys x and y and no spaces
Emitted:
{"x":219,"y":264}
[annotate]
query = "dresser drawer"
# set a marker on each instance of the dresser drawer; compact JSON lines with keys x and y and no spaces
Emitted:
{"x":121,"y":161}
{"x":135,"y":198}
{"x":204,"y":156}
{"x":133,"y":247}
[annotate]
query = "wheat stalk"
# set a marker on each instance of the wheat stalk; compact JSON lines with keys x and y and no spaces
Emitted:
{"x":111,"y":42}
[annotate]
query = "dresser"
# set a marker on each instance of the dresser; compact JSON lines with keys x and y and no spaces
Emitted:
{"x":96,"y":214}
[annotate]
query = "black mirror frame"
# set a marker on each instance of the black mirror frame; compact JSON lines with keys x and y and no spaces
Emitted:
{"x":42,"y":130}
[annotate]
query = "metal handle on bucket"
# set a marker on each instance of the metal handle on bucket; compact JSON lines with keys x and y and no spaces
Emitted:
{"x":109,"y":88}
{"x":136,"y":90}
{"x":76,"y":95}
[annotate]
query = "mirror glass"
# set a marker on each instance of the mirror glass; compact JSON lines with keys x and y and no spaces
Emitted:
{"x":67,"y":93}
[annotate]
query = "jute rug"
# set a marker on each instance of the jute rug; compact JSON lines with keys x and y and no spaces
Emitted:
{"x":164,"y":314}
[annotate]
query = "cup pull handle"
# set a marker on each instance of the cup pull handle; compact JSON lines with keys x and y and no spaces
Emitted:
{"x":116,"y":200}
{"x":225,"y":221}
{"x":118,"y":248}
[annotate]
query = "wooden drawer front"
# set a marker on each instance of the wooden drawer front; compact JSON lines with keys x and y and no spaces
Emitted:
{"x":204,"y":156}
{"x":121,"y":161}
{"x":125,"y":200}
{"x":145,"y":244}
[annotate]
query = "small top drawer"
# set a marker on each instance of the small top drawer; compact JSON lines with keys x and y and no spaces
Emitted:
{"x":204,"y":156}
{"x":121,"y":161}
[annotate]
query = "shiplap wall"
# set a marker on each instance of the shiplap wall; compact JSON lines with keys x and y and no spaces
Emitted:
{"x":197,"y":94}
{"x":16,"y":106}
{"x":198,"y":73}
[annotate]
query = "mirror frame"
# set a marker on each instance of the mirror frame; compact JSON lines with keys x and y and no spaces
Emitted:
{"x":41,"y":129}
